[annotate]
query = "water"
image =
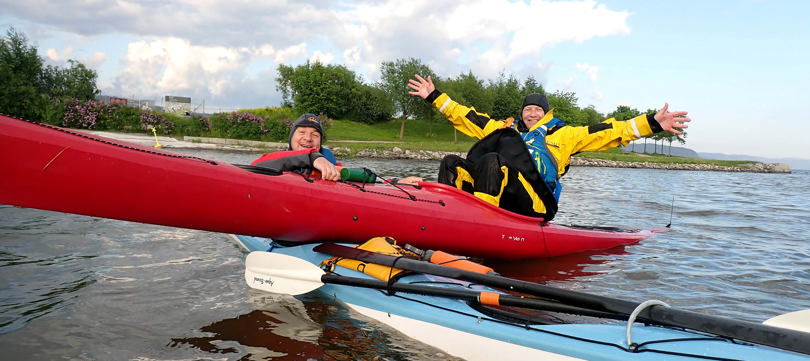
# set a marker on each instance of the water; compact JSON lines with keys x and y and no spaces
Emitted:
{"x":75,"y":287}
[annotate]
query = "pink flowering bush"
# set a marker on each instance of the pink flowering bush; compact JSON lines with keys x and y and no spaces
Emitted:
{"x":91,"y":114}
{"x":156,"y":120}
{"x":240,"y":125}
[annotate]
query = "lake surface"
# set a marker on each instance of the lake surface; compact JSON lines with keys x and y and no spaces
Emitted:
{"x":76,"y":287}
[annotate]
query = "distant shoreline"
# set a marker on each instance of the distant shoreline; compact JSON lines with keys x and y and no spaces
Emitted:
{"x":399,"y":153}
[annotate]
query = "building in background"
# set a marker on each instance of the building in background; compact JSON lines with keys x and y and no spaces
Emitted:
{"x":177,"y":105}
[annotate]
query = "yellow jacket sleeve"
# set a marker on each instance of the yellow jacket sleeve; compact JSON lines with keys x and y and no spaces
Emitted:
{"x":466,"y":120}
{"x":611,"y":133}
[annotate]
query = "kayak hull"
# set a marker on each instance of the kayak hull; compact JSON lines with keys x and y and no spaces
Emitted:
{"x":458,"y":329}
{"x":70,"y":171}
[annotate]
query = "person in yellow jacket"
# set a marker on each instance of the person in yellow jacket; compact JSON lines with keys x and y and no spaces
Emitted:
{"x":517,"y":164}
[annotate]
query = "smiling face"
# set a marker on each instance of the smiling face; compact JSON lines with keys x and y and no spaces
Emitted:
{"x":532,"y":114}
{"x":305,"y":138}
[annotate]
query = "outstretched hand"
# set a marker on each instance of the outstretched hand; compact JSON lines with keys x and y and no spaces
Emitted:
{"x":421,"y":87}
{"x":670,"y":121}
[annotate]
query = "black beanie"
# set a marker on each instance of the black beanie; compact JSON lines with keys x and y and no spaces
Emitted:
{"x":536,"y":99}
{"x":306,"y":120}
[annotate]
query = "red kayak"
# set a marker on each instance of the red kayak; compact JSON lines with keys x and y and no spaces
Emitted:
{"x":65,"y":170}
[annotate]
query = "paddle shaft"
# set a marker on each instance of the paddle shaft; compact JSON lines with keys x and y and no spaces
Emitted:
{"x":786,"y":339}
{"x":470,"y":295}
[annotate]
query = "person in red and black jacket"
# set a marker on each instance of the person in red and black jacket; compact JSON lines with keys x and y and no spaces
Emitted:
{"x":305,"y":151}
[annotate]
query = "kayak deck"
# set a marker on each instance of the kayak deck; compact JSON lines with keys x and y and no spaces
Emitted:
{"x":461,"y":330}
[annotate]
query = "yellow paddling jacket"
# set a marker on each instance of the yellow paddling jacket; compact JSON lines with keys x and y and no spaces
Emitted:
{"x":562,"y":141}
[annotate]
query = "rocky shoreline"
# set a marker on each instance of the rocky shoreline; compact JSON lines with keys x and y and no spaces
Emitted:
{"x":399,"y":153}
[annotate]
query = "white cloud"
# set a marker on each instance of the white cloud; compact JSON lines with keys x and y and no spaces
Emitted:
{"x":56,"y":57}
{"x":167,"y":65}
{"x":323,"y":58}
{"x":597,"y":95}
{"x":192,"y":46}
{"x":289,"y":53}
{"x":94,"y":61}
{"x":591,"y":70}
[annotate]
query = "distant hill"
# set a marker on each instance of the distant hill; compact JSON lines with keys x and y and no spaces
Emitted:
{"x":795,"y":163}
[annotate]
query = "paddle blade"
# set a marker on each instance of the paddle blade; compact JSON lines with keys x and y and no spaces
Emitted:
{"x":280,"y":273}
{"x":799,"y":321}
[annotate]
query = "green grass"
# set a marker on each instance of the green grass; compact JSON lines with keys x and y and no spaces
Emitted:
{"x":386,"y":135}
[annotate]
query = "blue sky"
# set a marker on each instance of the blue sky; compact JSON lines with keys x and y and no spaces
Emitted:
{"x":738,"y":67}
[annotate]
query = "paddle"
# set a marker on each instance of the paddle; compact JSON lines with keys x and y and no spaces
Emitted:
{"x":281,"y":273}
{"x":786,"y":339}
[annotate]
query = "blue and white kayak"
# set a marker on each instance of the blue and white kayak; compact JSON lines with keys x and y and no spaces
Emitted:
{"x":463,"y":329}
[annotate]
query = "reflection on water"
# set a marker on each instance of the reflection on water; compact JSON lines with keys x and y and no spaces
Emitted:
{"x":307,"y":327}
{"x":561,"y":268}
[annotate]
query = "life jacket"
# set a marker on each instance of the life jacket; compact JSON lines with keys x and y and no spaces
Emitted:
{"x":328,"y":155}
{"x":535,"y":140}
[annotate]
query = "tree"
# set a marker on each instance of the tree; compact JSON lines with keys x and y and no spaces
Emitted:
{"x":31,"y":88}
{"x":592,"y":116}
{"x":468,"y":90}
{"x":507,"y":98}
{"x":566,"y":109}
{"x":371,"y":105}
{"x":395,"y":76}
{"x":79,"y":81}
{"x":20,"y":76}
{"x":624,"y":112}
{"x":532,"y":86}
{"x":317,"y":88}
{"x":681,"y":138}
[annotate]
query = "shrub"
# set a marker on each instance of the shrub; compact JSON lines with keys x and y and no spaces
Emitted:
{"x":150,"y":119}
{"x":194,"y":125}
{"x":90,"y":114}
{"x":241,"y":125}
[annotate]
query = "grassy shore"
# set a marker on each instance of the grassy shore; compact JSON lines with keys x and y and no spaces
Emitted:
{"x":444,"y":138}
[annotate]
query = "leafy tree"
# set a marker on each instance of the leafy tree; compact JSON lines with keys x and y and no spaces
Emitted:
{"x":565,"y":108}
{"x":31,"y":90}
{"x":624,"y":112}
{"x":371,"y":105}
{"x":20,"y":76}
{"x":317,"y":88}
{"x":532,"y":86}
{"x":467,"y":89}
{"x":79,"y":81}
{"x":506,"y":96}
{"x":395,"y":76}
{"x":592,"y":116}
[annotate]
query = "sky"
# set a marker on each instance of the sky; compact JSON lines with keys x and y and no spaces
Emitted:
{"x":740,"y":68}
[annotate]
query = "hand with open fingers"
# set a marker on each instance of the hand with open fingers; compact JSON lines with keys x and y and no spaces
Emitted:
{"x":670,"y":121}
{"x":327,"y":169}
{"x":421,"y":87}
